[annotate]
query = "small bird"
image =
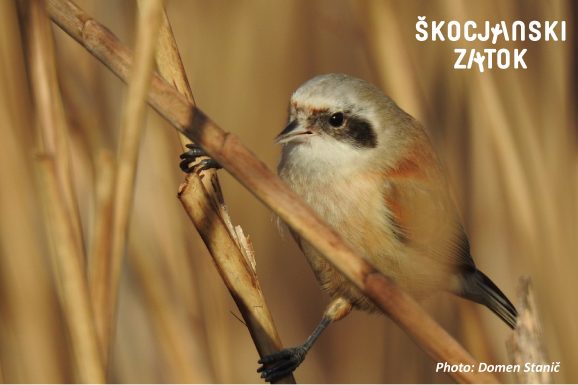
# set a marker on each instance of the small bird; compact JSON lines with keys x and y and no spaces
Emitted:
{"x":369,"y":170}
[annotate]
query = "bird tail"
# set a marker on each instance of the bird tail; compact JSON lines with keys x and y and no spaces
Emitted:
{"x":479,"y":288}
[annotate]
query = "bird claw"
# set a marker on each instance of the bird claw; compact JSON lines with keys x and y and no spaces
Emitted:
{"x":189,"y":157}
{"x":281,"y":364}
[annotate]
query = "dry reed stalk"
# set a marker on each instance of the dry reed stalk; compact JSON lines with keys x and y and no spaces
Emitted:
{"x":99,"y":252}
{"x":512,"y":175}
{"x":54,"y":134}
{"x":71,"y":284}
{"x":525,"y":345}
{"x":191,"y":369}
{"x":165,"y":317}
{"x":133,"y":120}
{"x":547,"y":146}
{"x":31,"y":351}
{"x":227,"y":149}
{"x":169,"y":62}
{"x":556,"y":231}
{"x":67,"y":254}
{"x":384,"y":36}
{"x":202,"y":200}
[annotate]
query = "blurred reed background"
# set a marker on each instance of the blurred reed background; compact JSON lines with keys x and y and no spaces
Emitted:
{"x":508,"y":139}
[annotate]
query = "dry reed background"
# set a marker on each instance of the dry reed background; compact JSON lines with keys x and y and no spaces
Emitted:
{"x":508,"y":139}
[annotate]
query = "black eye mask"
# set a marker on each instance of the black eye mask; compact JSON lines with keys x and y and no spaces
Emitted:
{"x":353,"y":129}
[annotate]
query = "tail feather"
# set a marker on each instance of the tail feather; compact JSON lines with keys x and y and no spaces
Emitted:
{"x":479,"y":288}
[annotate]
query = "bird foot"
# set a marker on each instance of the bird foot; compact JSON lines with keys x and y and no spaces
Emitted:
{"x":189,"y":157}
{"x":281,"y":364}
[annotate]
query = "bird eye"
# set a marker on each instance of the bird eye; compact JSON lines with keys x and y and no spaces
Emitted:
{"x":336,"y":120}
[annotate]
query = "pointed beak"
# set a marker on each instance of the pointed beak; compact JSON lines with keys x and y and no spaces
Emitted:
{"x":293,"y":131}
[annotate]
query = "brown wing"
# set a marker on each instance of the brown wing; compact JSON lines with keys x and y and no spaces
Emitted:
{"x":420,"y":206}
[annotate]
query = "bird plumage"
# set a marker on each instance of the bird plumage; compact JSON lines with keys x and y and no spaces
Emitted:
{"x":389,"y":199}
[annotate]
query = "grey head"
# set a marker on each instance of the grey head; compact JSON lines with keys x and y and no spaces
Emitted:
{"x":340,"y":117}
{"x":341,"y":121}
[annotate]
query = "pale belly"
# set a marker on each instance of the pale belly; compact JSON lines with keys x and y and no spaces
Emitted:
{"x":358,"y":213}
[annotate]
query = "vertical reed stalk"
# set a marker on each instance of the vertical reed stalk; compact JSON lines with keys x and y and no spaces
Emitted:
{"x":58,"y":200}
{"x":133,"y":121}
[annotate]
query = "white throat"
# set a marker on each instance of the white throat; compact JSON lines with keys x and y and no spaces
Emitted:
{"x":319,"y":160}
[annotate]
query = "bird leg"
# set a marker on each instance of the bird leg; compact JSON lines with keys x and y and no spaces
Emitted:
{"x":191,"y":155}
{"x":280,"y":364}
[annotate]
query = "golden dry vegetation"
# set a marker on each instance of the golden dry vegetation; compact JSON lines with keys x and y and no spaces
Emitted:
{"x":507,"y":137}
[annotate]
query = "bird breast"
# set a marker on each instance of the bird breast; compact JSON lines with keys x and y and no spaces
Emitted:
{"x":351,"y":202}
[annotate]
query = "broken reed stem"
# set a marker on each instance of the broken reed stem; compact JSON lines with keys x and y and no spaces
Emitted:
{"x":133,"y":120}
{"x":526,"y":345}
{"x":235,"y":270}
{"x":58,"y":200}
{"x":227,"y":149}
{"x":201,"y":198}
